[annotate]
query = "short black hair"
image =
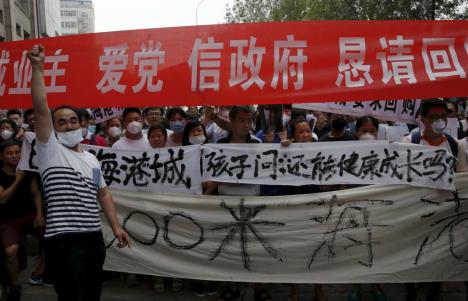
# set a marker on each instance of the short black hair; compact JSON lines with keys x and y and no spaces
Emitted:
{"x":14,"y":112}
{"x":297,"y":113}
{"x":9,"y":143}
{"x":365,"y":119}
{"x":147,"y":109}
{"x":190,"y":126}
{"x":64,"y":107}
{"x":428,"y":104}
{"x":11,"y":123}
{"x":295,"y":122}
{"x":27,"y":113}
{"x":130,"y":110}
{"x":235,"y":110}
{"x":83,"y":114}
{"x":109,"y":120}
{"x":191,"y":116}
{"x":175,"y":110}
{"x":160,"y":127}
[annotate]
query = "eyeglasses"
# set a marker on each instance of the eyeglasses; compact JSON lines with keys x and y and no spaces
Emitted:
{"x":154,"y":114}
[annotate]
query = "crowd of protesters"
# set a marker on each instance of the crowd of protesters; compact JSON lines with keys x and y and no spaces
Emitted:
{"x":22,"y":205}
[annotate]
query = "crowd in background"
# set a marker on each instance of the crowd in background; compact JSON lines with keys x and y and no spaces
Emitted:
{"x":21,"y":201}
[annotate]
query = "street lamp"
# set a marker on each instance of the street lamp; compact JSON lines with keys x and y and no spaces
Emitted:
{"x":196,"y":11}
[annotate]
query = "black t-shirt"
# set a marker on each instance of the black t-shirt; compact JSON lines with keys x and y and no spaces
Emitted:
{"x":348,"y":136}
{"x":22,"y":202}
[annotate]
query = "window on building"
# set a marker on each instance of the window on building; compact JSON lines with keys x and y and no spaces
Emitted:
{"x":2,"y":39}
{"x":18,"y":30}
{"x":68,"y":13}
{"x":68,"y":24}
{"x":24,"y":5}
{"x":1,"y":16}
{"x":84,"y":15}
{"x":26,"y":35}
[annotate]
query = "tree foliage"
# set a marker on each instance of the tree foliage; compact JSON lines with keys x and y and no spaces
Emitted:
{"x":296,"y":10}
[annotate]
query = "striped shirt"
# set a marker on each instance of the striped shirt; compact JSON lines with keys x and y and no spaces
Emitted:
{"x":71,"y":181}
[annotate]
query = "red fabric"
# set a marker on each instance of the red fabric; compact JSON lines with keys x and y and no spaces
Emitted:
{"x":99,"y":141}
{"x":86,"y":66}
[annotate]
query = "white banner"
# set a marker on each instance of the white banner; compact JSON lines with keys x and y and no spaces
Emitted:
{"x":403,"y":110}
{"x":104,"y":114}
{"x":373,"y":234}
{"x":163,"y":170}
{"x":351,"y":162}
{"x":178,"y":170}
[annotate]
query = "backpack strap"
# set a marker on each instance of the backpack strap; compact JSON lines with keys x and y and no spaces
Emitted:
{"x":416,"y":139}
{"x":453,"y":145}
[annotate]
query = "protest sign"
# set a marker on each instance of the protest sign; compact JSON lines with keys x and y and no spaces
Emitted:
{"x":104,"y":114}
{"x":373,"y":234}
{"x":404,"y":110}
{"x":256,"y":63}
{"x":163,"y":170}
{"x":177,"y":169}
{"x":351,"y":162}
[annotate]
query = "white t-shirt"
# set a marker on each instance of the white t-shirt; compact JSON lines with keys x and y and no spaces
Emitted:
{"x":71,"y":181}
{"x":129,"y":144}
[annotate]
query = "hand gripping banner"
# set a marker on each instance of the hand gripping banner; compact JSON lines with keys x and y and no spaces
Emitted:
{"x":261,"y":63}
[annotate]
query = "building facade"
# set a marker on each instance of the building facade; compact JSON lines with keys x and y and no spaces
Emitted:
{"x":77,"y":16}
{"x":49,"y":20}
{"x":28,"y":19}
{"x":17,"y":20}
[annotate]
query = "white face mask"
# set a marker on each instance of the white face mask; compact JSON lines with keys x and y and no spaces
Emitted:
{"x":6,"y":134}
{"x":367,"y":136}
{"x":114,"y":132}
{"x":134,"y":127}
{"x":439,"y":126}
{"x":196,"y":140}
{"x":70,"y":139}
{"x":84,"y":132}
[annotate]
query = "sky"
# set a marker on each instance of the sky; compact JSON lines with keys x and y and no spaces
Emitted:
{"x":114,"y":15}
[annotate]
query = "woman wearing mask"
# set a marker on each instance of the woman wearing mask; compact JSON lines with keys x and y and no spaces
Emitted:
{"x":177,"y":120}
{"x":114,"y":130}
{"x":301,"y":132}
{"x":8,"y":130}
{"x":194,"y":133}
{"x":367,"y":128}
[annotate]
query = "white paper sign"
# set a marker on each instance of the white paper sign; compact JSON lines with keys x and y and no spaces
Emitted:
{"x":350,"y":162}
{"x":104,"y":114}
{"x":164,"y":170}
{"x":403,"y":110}
{"x":178,"y":170}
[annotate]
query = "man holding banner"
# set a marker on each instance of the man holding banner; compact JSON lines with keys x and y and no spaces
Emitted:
{"x":73,"y":183}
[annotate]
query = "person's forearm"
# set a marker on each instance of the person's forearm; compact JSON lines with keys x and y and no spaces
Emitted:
{"x":8,"y":193}
{"x":38,"y":91}
{"x":42,"y":114}
{"x":108,"y":207}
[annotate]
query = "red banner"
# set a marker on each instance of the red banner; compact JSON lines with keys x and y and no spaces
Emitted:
{"x":258,"y":63}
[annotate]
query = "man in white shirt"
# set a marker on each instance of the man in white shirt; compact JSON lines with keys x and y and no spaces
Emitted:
{"x":134,"y":138}
{"x":73,"y":185}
